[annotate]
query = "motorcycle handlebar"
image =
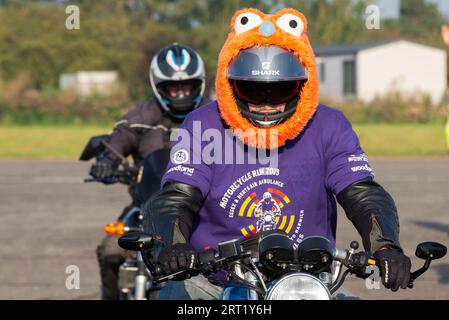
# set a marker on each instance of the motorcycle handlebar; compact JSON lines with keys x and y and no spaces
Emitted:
{"x":102,"y":180}
{"x":210,"y":261}
{"x":357,"y":263}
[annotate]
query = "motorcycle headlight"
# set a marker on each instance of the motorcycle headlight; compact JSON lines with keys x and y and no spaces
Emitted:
{"x":298,"y":286}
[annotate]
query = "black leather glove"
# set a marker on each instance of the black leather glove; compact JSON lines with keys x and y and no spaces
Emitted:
{"x":394,"y":267}
{"x":103,"y":169}
{"x":177,"y":257}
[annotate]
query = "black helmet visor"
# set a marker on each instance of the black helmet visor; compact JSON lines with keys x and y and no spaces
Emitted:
{"x":181,"y":96}
{"x":263,"y":93}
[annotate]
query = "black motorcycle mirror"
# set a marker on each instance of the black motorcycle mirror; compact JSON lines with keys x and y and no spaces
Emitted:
{"x":139,"y":241}
{"x":94,"y":147}
{"x":427,"y":251}
{"x":430,"y":250}
{"x":136,"y":241}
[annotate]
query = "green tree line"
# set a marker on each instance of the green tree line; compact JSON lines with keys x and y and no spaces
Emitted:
{"x":123,"y":35}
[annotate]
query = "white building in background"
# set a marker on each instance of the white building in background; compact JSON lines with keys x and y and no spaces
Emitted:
{"x":391,"y":9}
{"x":88,"y":82}
{"x":378,"y":68}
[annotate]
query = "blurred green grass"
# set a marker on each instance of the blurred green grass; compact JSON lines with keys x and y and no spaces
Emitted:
{"x":67,"y":142}
{"x":46,"y":142}
{"x":403,"y":140}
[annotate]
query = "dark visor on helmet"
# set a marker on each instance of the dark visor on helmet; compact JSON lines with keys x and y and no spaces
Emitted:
{"x":262,"y":93}
{"x":175,"y":89}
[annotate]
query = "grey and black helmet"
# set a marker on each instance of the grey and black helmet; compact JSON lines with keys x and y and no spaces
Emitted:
{"x":267,"y":75}
{"x":178,"y":65}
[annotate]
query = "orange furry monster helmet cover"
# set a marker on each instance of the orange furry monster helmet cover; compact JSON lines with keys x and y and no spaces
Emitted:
{"x":286,"y":29}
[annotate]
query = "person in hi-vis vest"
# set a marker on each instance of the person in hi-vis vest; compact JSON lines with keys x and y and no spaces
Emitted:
{"x":445,"y":34}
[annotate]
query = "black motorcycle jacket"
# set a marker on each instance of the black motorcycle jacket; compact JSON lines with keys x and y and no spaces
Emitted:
{"x":143,"y":130}
{"x":173,"y":211}
{"x":373,"y":213}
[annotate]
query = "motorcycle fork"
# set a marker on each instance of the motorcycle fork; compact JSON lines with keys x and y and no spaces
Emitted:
{"x":141,"y":281}
{"x":248,"y":276}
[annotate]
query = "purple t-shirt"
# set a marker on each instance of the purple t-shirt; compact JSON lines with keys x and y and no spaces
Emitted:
{"x":296,"y":194}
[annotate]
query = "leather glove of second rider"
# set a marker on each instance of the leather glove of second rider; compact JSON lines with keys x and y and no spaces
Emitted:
{"x":177,"y":257}
{"x":103,"y":169}
{"x":394,"y":268}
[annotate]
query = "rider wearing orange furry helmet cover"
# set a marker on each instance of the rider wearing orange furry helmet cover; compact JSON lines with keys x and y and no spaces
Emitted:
{"x":268,"y":105}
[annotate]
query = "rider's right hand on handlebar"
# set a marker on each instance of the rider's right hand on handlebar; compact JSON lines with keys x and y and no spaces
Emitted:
{"x":394,"y":267}
{"x":103,"y":169}
{"x":176,"y":258}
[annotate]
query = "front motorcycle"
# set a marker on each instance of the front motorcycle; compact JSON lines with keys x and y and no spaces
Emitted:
{"x":267,"y":267}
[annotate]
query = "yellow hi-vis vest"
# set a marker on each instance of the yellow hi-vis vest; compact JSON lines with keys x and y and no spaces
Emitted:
{"x":447,"y":129}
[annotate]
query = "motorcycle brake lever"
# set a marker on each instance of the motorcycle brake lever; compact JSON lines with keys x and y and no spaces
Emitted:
{"x":101,"y":180}
{"x":188,"y":273}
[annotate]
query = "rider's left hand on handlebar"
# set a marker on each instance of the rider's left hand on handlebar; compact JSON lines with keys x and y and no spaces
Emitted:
{"x":394,"y":267}
{"x":103,"y":169}
{"x":177,"y":257}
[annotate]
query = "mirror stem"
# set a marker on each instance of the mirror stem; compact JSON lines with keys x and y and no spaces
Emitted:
{"x":419,"y":272}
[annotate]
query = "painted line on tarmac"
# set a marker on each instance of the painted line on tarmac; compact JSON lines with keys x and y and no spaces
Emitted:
{"x":421,"y":179}
{"x":80,"y":180}
{"x":58,"y":180}
{"x":42,"y":180}
{"x":390,"y":178}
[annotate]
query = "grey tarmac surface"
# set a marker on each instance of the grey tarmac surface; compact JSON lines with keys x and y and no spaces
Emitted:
{"x":51,"y":220}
